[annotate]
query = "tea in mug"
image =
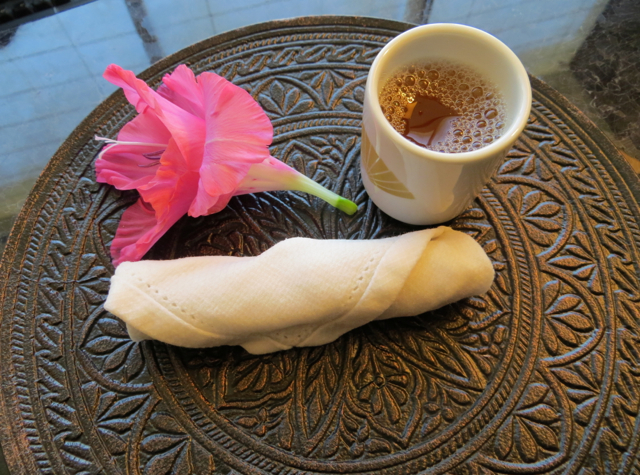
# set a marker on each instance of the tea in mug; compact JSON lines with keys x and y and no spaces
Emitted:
{"x":443,"y":106}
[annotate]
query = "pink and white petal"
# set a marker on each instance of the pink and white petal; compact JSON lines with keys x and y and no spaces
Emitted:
{"x":238,"y":134}
{"x":219,"y":178}
{"x":187,"y":129}
{"x":269,"y":175}
{"x":136,"y":221}
{"x":223,"y":201}
{"x":146,"y":128}
{"x":135,"y":90}
{"x":174,"y":183}
{"x":124,"y":167}
{"x":204,"y":204}
{"x":232,"y":114}
{"x":182,"y":88}
{"x":139,"y":230}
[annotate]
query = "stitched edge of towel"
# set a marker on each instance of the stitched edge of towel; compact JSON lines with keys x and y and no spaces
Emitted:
{"x":127,"y":302}
{"x":415,"y":243}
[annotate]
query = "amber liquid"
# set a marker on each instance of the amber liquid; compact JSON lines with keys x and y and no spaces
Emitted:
{"x":443,"y":106}
{"x":429,"y":121}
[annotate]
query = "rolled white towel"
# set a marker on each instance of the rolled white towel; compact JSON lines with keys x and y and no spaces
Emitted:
{"x":300,"y":292}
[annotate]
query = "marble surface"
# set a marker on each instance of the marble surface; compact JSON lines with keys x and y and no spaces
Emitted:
{"x":50,"y":68}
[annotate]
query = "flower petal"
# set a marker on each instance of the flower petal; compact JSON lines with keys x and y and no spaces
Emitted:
{"x":232,"y":114}
{"x":163,"y":201}
{"x":135,"y":90}
{"x":124,"y":165}
{"x":182,"y":88}
{"x":136,"y":221}
{"x":204,"y":204}
{"x":145,"y":127}
{"x":139,"y":230}
{"x":186,"y":129}
{"x":268,"y":175}
{"x":174,"y":183}
{"x":238,"y":134}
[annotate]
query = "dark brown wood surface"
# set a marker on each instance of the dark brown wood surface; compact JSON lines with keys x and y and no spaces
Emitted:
{"x":540,"y":375}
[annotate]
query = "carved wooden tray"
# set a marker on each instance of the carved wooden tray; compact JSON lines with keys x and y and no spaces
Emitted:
{"x":540,"y":375}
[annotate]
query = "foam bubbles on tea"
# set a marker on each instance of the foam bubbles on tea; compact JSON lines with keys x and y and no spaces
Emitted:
{"x":443,"y":106}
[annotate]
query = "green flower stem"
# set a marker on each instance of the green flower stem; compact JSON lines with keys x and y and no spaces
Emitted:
{"x":272,"y":175}
{"x":303,"y":183}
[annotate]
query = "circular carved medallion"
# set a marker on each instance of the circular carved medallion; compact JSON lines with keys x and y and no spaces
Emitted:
{"x":539,"y":375}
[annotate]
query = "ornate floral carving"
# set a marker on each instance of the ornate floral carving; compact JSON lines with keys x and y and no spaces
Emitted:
{"x":540,"y":375}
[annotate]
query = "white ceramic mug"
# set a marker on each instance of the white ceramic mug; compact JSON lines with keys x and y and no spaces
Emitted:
{"x":421,"y":186}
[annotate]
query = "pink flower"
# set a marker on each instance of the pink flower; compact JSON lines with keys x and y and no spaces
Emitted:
{"x":194,"y":144}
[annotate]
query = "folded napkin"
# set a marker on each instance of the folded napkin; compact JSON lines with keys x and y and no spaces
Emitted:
{"x":300,"y":292}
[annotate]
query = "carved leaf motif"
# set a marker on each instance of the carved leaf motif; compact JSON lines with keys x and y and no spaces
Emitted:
{"x":118,"y":425}
{"x":583,"y":382}
{"x":540,"y":133}
{"x":530,"y":429}
{"x":542,"y":217}
{"x":284,"y":99}
{"x":525,"y":442}
{"x":164,"y":422}
{"x":112,"y":327}
{"x":378,"y":446}
{"x":124,"y":407}
{"x":567,"y":322}
{"x":52,"y":376}
{"x":113,"y":350}
{"x":430,"y":424}
{"x":114,"y":442}
{"x":312,"y":55}
{"x":584,"y":410}
{"x":518,"y":160}
{"x":544,"y":436}
{"x":70,"y":454}
{"x":459,"y":397}
{"x":562,"y":156}
{"x":571,"y":378}
{"x":405,"y":405}
{"x":504,"y":440}
{"x":578,"y":259}
{"x":381,"y":384}
{"x":74,"y":461}
{"x":157,"y":443}
{"x":624,"y":275}
{"x":167,"y":449}
{"x":534,"y":395}
{"x":322,"y":377}
{"x":49,"y":339}
{"x":358,"y":94}
{"x":254,"y":373}
{"x":521,"y":160}
{"x":91,"y":285}
{"x":174,"y":462}
{"x":541,"y":413}
{"x":103,"y":345}
{"x":582,"y":182}
{"x":60,"y":420}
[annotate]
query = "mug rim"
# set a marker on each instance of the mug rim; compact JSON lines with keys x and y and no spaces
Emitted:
{"x":510,"y":135}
